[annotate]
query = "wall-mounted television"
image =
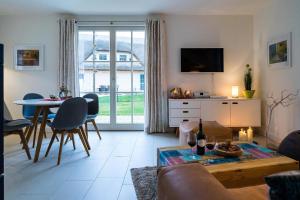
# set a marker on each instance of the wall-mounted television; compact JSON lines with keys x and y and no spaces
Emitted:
{"x":202,"y":60}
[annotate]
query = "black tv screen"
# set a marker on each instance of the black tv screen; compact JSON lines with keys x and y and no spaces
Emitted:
{"x":202,"y":60}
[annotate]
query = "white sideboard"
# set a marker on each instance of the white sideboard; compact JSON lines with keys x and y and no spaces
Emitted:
{"x":228,"y":112}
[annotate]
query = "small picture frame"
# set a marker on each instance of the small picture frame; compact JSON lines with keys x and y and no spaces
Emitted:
{"x":29,"y":57}
{"x":280,"y":52}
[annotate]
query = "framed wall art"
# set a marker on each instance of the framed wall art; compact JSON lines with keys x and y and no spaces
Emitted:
{"x":280,"y":51}
{"x":29,"y":57}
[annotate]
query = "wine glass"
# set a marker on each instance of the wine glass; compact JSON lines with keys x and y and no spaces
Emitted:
{"x":211,"y":144}
{"x":192,"y":140}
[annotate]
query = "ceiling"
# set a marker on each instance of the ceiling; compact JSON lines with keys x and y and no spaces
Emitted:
{"x":131,"y":7}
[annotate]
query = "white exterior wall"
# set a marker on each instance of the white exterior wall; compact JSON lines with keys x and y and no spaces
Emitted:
{"x":103,"y":78}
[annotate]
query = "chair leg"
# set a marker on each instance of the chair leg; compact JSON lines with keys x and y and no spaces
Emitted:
{"x":50,"y":144}
{"x":67,"y":139}
{"x":73,"y":140}
{"x":34,"y":135}
{"x":96,"y":128}
{"x":83,"y":142}
{"x":55,"y":135}
{"x":24,"y":142}
{"x":26,"y":131}
{"x":60,"y":147}
{"x":86,"y":129}
{"x":85,"y":138}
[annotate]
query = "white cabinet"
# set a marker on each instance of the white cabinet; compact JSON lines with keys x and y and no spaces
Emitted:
{"x":228,"y":112}
{"x":245,"y":113}
{"x":216,"y":110}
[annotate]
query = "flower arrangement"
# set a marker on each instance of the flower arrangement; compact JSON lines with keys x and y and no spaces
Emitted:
{"x":63,"y":91}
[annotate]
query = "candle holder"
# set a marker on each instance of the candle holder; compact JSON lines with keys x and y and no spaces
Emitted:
{"x":176,"y":93}
{"x":188,"y":94}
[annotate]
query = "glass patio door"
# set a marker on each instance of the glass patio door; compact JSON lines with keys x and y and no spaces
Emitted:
{"x":111,"y":61}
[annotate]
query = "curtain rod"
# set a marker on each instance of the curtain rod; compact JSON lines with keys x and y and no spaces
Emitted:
{"x":111,"y":21}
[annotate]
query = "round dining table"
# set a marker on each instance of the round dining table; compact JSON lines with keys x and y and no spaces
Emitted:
{"x":42,"y":108}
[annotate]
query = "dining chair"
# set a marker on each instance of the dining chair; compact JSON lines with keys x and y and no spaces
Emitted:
{"x":93,"y":110}
{"x":28,"y":113}
{"x":69,"y":119}
{"x":16,"y":127}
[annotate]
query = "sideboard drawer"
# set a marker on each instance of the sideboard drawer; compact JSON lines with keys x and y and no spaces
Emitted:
{"x":175,"y":122}
{"x":185,"y":113}
{"x":184,"y":103}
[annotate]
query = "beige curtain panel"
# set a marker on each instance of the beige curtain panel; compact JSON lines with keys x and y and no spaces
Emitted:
{"x":156,"y":89}
{"x":68,"y":69}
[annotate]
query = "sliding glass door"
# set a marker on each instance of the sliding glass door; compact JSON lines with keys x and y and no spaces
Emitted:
{"x":111,"y":61}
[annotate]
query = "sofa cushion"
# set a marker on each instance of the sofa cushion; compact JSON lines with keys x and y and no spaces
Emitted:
{"x":284,"y":185}
{"x":190,"y":181}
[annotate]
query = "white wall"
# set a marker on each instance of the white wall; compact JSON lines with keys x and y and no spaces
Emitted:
{"x":16,"y":30}
{"x":276,"y":19}
{"x":233,"y":33}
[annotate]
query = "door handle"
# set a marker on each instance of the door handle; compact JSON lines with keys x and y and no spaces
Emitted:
{"x":185,"y":111}
{"x":224,"y":102}
{"x":185,"y":103}
{"x":235,"y":103}
{"x":185,"y":120}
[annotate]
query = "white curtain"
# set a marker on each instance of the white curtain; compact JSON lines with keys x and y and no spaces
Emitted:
{"x":68,"y":69}
{"x":156,"y":90}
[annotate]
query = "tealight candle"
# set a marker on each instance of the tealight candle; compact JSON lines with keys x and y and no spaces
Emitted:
{"x":250,"y":134}
{"x":243,"y":135}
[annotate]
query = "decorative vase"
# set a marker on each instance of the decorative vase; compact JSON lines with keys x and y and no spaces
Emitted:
{"x":249,"y":93}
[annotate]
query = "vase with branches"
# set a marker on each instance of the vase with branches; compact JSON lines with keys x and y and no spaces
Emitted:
{"x":248,"y":92}
{"x":286,"y":99}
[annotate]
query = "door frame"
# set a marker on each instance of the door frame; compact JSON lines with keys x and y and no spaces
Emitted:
{"x":113,"y":114}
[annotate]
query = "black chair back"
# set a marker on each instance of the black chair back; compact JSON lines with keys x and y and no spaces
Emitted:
{"x":290,"y":145}
{"x":28,"y":111}
{"x":93,"y":106}
{"x":71,"y":114}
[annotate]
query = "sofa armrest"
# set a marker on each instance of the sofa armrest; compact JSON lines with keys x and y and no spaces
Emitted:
{"x":190,"y":181}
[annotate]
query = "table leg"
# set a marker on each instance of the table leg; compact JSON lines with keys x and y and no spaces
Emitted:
{"x":34,"y":122}
{"x":41,"y":133}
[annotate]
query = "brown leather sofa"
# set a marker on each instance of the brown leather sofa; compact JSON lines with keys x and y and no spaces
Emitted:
{"x":194,"y":182}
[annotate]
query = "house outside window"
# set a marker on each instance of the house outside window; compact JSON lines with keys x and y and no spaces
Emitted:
{"x":142,"y":82}
{"x":123,"y":58}
{"x":102,"y":57}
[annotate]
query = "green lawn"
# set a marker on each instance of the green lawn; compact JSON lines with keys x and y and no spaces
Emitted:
{"x":123,"y":105}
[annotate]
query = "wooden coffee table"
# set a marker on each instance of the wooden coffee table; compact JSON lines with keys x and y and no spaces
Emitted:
{"x":237,"y":173}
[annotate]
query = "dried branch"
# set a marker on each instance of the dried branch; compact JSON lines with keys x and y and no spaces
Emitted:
{"x":286,"y":99}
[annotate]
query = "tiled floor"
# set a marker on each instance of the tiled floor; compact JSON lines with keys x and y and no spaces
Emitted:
{"x":104,"y":175}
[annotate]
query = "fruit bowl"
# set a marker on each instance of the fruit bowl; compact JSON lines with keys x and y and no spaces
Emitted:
{"x":228,"y":150}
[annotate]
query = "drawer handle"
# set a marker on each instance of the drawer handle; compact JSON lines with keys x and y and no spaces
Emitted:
{"x":235,"y":103}
{"x":185,"y":120}
{"x":185,"y":111}
{"x":185,"y":103}
{"x":224,"y":102}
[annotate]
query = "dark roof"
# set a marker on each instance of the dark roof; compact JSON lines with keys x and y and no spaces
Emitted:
{"x":103,"y":45}
{"x":105,"y":67}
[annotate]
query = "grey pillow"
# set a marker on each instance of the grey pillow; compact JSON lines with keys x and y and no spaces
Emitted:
{"x":284,"y":185}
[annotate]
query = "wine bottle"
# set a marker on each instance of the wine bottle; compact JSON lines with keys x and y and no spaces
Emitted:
{"x":201,"y":140}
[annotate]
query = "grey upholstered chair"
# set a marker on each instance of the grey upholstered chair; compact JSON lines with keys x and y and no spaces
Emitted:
{"x":93,"y":110}
{"x":29,"y":111}
{"x":16,"y":127}
{"x":69,"y":120}
{"x":290,"y":145}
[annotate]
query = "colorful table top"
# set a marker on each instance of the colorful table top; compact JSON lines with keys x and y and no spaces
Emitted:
{"x":169,"y":157}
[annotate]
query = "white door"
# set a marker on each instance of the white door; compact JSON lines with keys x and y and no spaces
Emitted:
{"x":245,"y":113}
{"x":111,"y":61}
{"x":216,"y":110}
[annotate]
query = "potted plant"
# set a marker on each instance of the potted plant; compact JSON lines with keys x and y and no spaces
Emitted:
{"x":248,"y":92}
